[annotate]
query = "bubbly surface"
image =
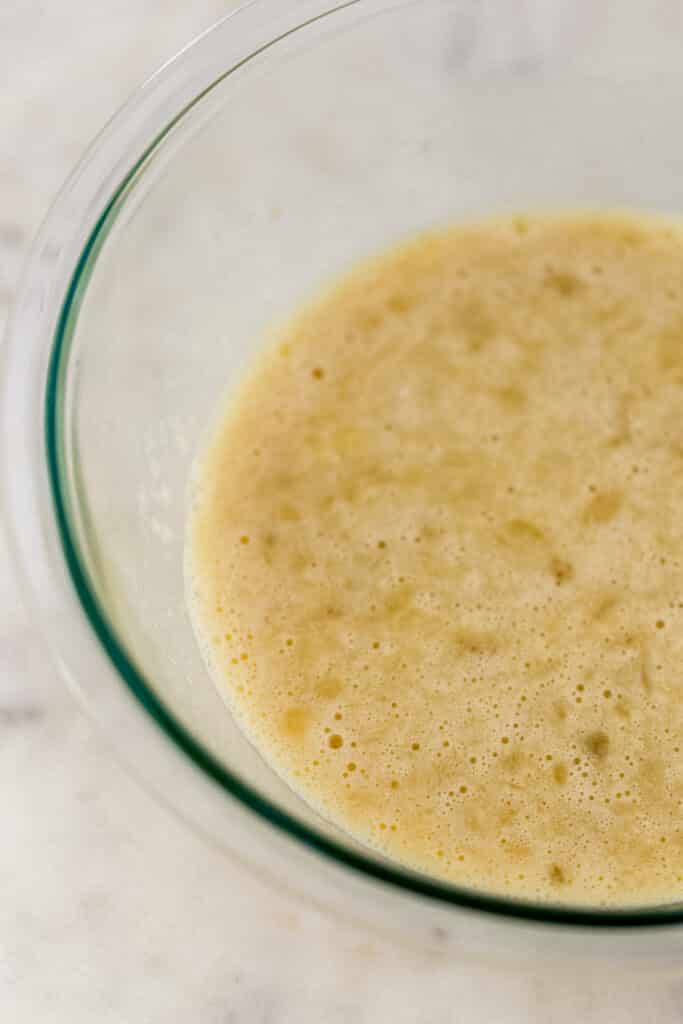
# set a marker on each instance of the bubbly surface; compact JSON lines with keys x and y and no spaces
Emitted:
{"x":434,"y":556}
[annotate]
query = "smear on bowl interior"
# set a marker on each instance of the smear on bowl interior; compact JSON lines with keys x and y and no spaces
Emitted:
{"x":434,"y":556}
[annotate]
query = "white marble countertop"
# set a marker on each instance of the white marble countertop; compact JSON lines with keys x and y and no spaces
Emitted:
{"x":111,"y":910}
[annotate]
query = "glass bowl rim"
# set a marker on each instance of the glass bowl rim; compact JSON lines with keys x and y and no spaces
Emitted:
{"x":124,"y":665}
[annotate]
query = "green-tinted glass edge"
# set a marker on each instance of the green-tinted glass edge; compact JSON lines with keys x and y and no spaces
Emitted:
{"x":143,"y":691}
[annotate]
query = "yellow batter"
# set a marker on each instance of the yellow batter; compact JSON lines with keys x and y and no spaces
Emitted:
{"x":435,"y":556}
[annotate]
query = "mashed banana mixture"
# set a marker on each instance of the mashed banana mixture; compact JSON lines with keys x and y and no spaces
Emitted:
{"x":434,"y":556}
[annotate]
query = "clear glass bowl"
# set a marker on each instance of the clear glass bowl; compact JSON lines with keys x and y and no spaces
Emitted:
{"x":272,"y":153}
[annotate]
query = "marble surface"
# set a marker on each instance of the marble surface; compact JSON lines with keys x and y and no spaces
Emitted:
{"x":111,"y":910}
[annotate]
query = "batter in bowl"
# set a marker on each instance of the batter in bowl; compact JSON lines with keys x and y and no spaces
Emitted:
{"x":434,"y":556}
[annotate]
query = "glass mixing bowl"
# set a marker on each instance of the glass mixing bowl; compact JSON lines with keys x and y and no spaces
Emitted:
{"x":287,"y":142}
